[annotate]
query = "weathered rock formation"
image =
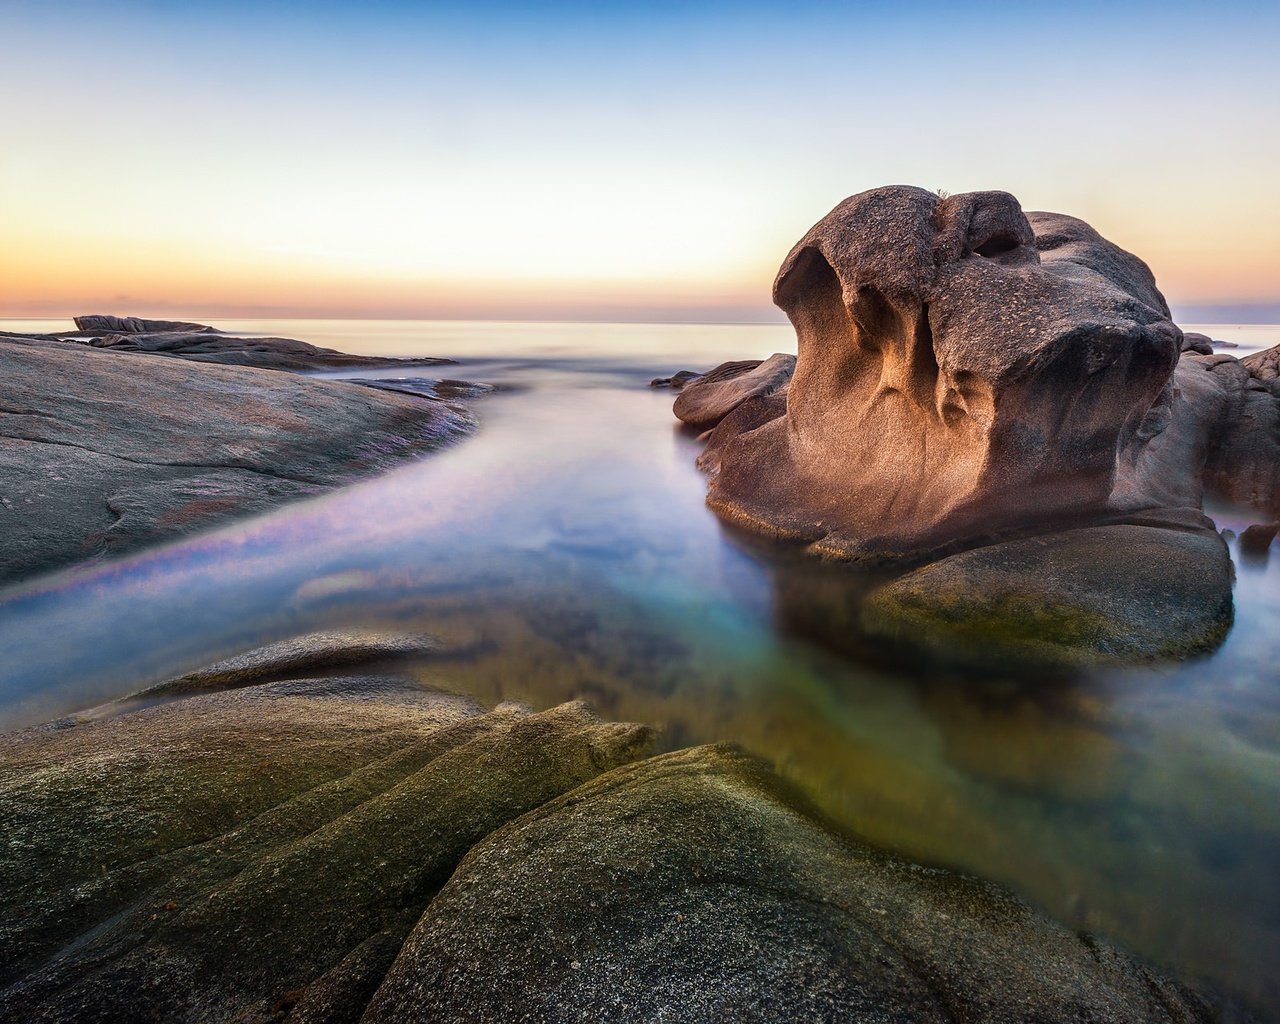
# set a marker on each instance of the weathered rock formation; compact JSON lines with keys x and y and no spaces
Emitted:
{"x":967,"y":374}
{"x":370,"y":849}
{"x":958,"y":374}
{"x":101,"y":454}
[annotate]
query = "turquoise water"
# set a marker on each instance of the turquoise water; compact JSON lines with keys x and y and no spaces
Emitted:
{"x":565,"y":551}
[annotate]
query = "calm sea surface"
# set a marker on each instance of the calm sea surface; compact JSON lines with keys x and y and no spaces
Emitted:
{"x":565,"y":551}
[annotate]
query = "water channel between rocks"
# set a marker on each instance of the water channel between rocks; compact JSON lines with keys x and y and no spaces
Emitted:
{"x":564,"y":551}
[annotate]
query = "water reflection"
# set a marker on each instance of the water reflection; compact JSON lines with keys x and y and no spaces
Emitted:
{"x":565,"y":551}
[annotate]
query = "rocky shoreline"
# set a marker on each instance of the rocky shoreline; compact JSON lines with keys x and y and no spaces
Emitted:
{"x":302,"y":833}
{"x":367,"y":848}
{"x":107,"y":449}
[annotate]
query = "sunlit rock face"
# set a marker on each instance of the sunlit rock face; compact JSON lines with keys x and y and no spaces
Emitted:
{"x":964,"y":370}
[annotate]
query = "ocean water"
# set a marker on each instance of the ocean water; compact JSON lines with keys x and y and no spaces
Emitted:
{"x":564,"y":551}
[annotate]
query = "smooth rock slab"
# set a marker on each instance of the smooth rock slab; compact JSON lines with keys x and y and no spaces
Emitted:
{"x":1105,"y":594}
{"x":696,"y":887}
{"x":101,"y":454}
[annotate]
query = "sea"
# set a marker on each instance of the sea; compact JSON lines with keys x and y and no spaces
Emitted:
{"x":564,"y":551}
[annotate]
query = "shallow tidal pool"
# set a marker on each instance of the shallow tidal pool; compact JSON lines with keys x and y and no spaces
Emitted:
{"x":564,"y":551}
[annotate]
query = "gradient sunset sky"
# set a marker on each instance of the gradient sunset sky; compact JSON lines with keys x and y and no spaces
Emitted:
{"x":604,"y":161}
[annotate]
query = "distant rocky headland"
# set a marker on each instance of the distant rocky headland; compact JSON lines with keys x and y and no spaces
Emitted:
{"x":1000,"y":404}
{"x":126,"y":432}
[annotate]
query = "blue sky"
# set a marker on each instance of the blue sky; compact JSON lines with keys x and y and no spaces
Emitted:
{"x":651,"y":160}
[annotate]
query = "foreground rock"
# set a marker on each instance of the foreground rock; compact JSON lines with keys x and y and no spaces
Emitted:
{"x":234,"y":856}
{"x":696,"y":887}
{"x":102,"y":454}
{"x":967,"y":376}
{"x":206,"y":344}
{"x":369,"y":849}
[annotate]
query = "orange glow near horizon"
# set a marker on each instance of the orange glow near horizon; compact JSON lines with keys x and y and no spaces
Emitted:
{"x":392,"y":161}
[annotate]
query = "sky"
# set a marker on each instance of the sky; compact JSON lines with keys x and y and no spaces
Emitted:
{"x":604,"y":161}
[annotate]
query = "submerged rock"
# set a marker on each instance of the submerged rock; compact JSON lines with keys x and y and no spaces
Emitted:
{"x":696,"y":886}
{"x":100,"y":455}
{"x":1103,"y":594}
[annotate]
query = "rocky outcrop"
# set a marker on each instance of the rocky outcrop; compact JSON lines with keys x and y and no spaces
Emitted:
{"x":968,"y":375}
{"x":102,"y":454}
{"x":704,"y":402}
{"x":105,"y":323}
{"x":209,"y":345}
{"x":696,"y":887}
{"x":962,"y":370}
{"x":372,"y":849}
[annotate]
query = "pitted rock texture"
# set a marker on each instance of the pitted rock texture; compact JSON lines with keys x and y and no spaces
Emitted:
{"x":962,"y":369}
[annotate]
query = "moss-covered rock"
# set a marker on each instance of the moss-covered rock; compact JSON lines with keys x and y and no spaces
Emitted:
{"x":1119,"y":594}
{"x":695,"y":886}
{"x":227,"y":856}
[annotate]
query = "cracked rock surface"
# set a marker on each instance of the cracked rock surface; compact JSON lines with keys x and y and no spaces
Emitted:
{"x":102,"y":454}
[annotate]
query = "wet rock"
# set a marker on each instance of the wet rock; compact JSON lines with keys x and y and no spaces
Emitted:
{"x":1256,"y":539}
{"x":100,"y":455}
{"x":306,"y":653}
{"x":963,"y":369}
{"x":235,"y":856}
{"x":1111,"y":594}
{"x":695,"y":886}
{"x":706,"y":401}
{"x":440,"y":389}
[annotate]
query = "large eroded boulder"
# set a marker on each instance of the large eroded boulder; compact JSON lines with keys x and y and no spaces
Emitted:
{"x":962,"y":370}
